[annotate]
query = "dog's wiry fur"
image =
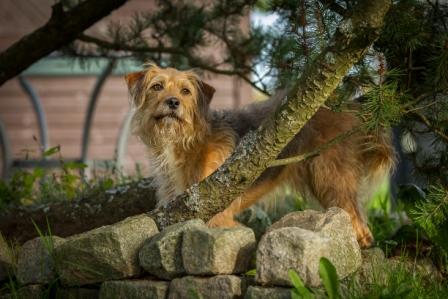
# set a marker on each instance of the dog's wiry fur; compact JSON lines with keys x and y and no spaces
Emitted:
{"x":189,"y":142}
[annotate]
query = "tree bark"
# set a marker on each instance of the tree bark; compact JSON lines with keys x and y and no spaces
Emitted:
{"x":62,"y":28}
{"x":258,"y":148}
{"x":72,"y":217}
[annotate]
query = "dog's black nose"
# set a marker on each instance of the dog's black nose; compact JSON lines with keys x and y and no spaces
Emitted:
{"x":172,"y":102}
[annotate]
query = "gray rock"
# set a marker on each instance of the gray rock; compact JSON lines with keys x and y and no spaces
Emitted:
{"x":208,"y":251}
{"x":106,"y":253}
{"x":290,"y":248}
{"x":254,"y":292}
{"x":36,"y":291}
{"x":6,"y":260}
{"x":372,"y":267}
{"x":77,"y":293}
{"x":162,"y":254}
{"x":35,"y":263}
{"x":220,"y":286}
{"x":300,"y":239}
{"x":333,"y":222}
{"x":135,"y":289}
{"x":255,"y":218}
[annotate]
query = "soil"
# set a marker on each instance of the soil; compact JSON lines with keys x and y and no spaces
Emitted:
{"x":66,"y":218}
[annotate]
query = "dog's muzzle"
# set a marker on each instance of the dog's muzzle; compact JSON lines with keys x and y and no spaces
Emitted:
{"x":172,"y":103}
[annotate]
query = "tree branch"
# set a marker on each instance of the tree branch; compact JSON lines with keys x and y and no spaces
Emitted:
{"x":258,"y":148}
{"x":296,"y":159}
{"x":61,"y":28}
{"x":170,"y":50}
{"x":428,"y":124}
{"x":123,"y":47}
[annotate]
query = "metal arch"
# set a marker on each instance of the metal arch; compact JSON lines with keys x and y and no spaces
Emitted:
{"x":123,"y":138}
{"x":38,"y":109}
{"x":5,"y":148}
{"x":92,"y":106}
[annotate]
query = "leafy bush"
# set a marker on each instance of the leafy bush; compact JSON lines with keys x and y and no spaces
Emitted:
{"x":38,"y":185}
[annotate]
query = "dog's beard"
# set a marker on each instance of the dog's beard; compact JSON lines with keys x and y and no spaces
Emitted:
{"x":168,"y":119}
{"x":159,"y":130}
{"x":168,"y":127}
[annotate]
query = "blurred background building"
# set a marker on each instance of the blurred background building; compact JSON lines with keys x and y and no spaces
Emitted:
{"x":60,"y":91}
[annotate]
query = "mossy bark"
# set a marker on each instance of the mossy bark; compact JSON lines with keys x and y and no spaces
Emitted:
{"x":257,"y":149}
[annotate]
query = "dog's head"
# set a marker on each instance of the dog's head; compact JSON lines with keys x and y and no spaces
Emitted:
{"x":170,"y":105}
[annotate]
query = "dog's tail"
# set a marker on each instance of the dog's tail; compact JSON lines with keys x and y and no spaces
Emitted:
{"x":249,"y":117}
{"x":379,"y":159}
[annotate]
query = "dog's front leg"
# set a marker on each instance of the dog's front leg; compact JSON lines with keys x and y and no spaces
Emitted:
{"x":223,"y":219}
{"x":250,"y":197}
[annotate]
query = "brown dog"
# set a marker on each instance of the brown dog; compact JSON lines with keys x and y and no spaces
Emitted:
{"x":186,"y":142}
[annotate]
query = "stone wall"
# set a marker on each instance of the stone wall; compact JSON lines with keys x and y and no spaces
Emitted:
{"x":132,"y":259}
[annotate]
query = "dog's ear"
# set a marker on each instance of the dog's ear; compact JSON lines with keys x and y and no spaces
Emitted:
{"x":207,"y":91}
{"x":133,"y":81}
{"x":132,"y":78}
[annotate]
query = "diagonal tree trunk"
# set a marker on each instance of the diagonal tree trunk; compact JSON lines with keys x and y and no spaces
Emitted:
{"x":62,"y":28}
{"x":258,"y":148}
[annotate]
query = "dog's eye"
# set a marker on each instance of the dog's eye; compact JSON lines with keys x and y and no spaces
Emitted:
{"x":185,"y":91}
{"x":157,"y":87}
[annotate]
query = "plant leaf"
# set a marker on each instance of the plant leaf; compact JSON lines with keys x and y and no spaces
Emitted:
{"x":52,"y":150}
{"x":300,"y":291}
{"x":329,"y":278}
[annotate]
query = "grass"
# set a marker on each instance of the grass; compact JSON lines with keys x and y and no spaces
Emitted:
{"x":386,"y":283}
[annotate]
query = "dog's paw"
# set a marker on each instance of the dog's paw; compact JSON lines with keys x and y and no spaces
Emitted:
{"x":222,"y":220}
{"x":366,"y":240}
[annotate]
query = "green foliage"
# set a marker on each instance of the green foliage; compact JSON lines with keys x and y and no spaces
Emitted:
{"x":251,"y":272}
{"x":385,"y":221}
{"x":432,"y":214}
{"x":429,"y":211}
{"x":300,"y":290}
{"x":329,"y":278}
{"x":194,"y":294}
{"x":399,"y":281}
{"x":45,"y":236}
{"x":381,"y":107}
{"x":38,"y":185}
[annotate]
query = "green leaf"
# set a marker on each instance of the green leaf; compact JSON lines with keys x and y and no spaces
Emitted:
{"x":194,"y":294}
{"x":329,"y":278}
{"x":107,"y":183}
{"x":295,"y":294}
{"x":52,"y":150}
{"x":299,"y":291}
{"x":252,"y":272}
{"x":75,"y":165}
{"x":38,"y":172}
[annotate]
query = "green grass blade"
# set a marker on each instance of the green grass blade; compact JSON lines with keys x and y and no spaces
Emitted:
{"x":300,"y":291}
{"x":329,"y":278}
